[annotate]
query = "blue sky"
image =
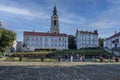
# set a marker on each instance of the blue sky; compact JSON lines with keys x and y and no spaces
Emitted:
{"x":29,"y":15}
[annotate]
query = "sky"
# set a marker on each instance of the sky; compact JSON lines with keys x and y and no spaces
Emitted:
{"x":87,"y":15}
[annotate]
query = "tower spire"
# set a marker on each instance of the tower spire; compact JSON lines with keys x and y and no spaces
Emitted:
{"x":55,"y":10}
{"x":54,"y":21}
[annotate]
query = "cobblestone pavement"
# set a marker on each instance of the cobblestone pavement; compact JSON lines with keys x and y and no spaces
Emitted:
{"x":95,"y":71}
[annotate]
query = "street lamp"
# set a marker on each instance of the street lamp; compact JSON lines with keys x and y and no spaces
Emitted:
{"x":87,"y":49}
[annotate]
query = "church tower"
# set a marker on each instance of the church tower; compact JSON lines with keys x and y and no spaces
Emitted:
{"x":54,"y":22}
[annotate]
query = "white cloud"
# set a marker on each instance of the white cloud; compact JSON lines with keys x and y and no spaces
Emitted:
{"x":108,"y":19}
{"x":114,"y":1}
{"x":24,"y":12}
{"x":15,"y":10}
{"x":71,"y":18}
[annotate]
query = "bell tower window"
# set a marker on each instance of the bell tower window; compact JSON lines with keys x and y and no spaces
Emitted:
{"x":54,"y":22}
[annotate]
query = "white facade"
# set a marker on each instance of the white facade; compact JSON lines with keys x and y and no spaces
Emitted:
{"x":113,"y":41}
{"x":19,"y":46}
{"x":38,"y":40}
{"x":85,"y":39}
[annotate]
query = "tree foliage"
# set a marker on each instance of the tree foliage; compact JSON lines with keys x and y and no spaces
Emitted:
{"x":101,"y":42}
{"x":6,"y":39}
{"x":71,"y":42}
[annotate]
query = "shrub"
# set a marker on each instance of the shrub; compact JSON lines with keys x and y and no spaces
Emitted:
{"x":1,"y":55}
{"x":45,"y":49}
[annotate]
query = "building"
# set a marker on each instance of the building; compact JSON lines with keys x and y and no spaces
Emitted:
{"x":86,"y":39}
{"x":19,"y":46}
{"x":13,"y":47}
{"x":42,"y":40}
{"x":113,"y":41}
{"x":1,"y":24}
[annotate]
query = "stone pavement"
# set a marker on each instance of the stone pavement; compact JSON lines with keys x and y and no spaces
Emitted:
{"x":59,"y":71}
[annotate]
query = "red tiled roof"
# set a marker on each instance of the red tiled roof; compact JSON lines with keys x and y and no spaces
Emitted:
{"x":44,"y":34}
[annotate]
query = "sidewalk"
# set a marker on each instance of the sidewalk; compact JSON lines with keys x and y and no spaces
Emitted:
{"x":4,"y":63}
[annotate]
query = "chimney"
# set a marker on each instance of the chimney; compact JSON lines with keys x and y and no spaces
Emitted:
{"x":77,"y":31}
{"x":95,"y":31}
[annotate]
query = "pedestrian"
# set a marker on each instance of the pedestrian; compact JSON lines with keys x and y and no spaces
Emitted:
{"x":81,"y":58}
{"x":20,"y":57}
{"x":59,"y":58}
{"x":77,"y":56}
{"x":71,"y":58}
{"x":93,"y":59}
{"x":42,"y":58}
{"x":101,"y":59}
{"x":113,"y":59}
{"x":116,"y":59}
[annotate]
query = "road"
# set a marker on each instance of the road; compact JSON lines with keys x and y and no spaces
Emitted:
{"x":59,"y":71}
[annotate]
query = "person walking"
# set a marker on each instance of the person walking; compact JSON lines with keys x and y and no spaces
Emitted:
{"x":81,"y":58}
{"x":71,"y":58}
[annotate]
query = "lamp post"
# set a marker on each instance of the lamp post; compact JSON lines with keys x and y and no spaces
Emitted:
{"x":113,"y":51}
{"x":87,"y":49}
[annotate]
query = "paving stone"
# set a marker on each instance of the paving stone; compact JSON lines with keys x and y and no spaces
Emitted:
{"x":76,"y":72}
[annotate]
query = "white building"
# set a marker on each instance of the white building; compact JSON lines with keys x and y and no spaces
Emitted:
{"x":85,"y":39}
{"x":43,"y":40}
{"x":13,"y":47}
{"x":40,"y":40}
{"x":19,"y":47}
{"x":113,"y":41}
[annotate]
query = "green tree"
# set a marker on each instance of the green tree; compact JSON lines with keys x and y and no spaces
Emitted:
{"x":101,"y":42}
{"x":71,"y":42}
{"x":6,"y":39}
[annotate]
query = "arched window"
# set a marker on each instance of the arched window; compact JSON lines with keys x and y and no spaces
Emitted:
{"x":54,"y":22}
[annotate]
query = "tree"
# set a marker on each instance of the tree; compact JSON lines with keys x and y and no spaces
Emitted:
{"x":101,"y":42}
{"x":71,"y":42}
{"x":6,"y":39}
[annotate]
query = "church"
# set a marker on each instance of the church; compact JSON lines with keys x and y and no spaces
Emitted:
{"x":47,"y":40}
